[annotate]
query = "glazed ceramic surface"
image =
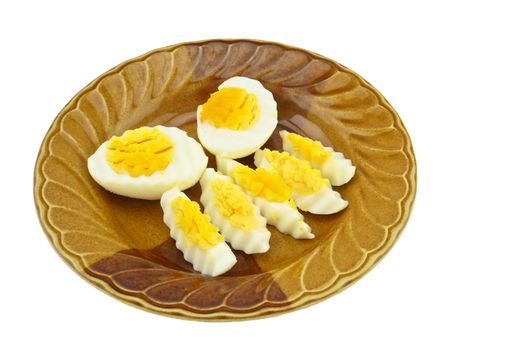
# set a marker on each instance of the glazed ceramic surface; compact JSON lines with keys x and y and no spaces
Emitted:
{"x":122,"y":246}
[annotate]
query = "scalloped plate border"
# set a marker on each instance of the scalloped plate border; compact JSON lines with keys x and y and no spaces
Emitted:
{"x":307,"y":298}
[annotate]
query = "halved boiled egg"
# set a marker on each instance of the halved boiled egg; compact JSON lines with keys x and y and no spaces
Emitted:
{"x":230,"y":209}
{"x":195,"y":236}
{"x":333,"y":165}
{"x":145,"y":162}
{"x":310,"y":190}
{"x":270,"y":194}
{"x":237,"y":119}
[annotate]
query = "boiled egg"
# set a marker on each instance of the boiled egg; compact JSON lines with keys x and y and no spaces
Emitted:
{"x":237,"y":119}
{"x":145,"y":162}
{"x":310,"y":190}
{"x":230,"y":209}
{"x":270,"y":194}
{"x":333,"y":165}
{"x":195,"y":236}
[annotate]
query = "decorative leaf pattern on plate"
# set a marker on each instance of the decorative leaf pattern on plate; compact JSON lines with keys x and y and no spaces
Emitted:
{"x":121,"y":244}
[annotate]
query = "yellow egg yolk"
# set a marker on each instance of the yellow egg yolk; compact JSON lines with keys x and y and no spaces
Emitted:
{"x":261,"y":183}
{"x":233,"y":205}
{"x":194,"y":225}
{"x":297,"y":174}
{"x":309,"y":149}
{"x":231,"y":108}
{"x":138,"y":152}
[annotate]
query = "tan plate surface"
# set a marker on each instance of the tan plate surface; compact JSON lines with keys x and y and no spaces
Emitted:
{"x":122,"y":246}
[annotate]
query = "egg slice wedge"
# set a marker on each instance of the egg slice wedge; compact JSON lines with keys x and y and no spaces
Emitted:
{"x":237,"y":119}
{"x":333,"y":165}
{"x":270,"y":194}
{"x":310,"y":190}
{"x":230,"y":209}
{"x":145,"y":162}
{"x":195,"y":236}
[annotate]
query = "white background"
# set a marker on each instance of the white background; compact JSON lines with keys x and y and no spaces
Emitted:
{"x":456,"y":73}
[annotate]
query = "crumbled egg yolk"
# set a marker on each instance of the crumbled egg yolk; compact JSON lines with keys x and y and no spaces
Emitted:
{"x":261,"y":183}
{"x":232,"y":108}
{"x":234,"y":205}
{"x":138,"y":152}
{"x":297,"y":174}
{"x":195,"y":225}
{"x":309,"y":149}
{"x":292,"y":204}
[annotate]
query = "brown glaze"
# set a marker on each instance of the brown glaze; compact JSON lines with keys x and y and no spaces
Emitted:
{"x":122,"y":246}
{"x":167,"y":280}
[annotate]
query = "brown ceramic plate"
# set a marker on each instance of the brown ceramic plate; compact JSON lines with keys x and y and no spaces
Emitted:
{"x":122,"y":246}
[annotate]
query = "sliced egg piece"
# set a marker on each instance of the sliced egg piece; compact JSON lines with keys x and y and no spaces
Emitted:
{"x":270,"y":194}
{"x":310,"y":190}
{"x":333,"y":165}
{"x":145,"y":162}
{"x":237,"y":119}
{"x":195,"y":236}
{"x":230,"y":209}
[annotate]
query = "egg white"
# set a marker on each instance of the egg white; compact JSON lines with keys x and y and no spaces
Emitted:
{"x":187,"y":164}
{"x":324,"y":201}
{"x":240,"y":143}
{"x":279,"y":214}
{"x":255,"y":241}
{"x":212,"y":261}
{"x":337,"y":169}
